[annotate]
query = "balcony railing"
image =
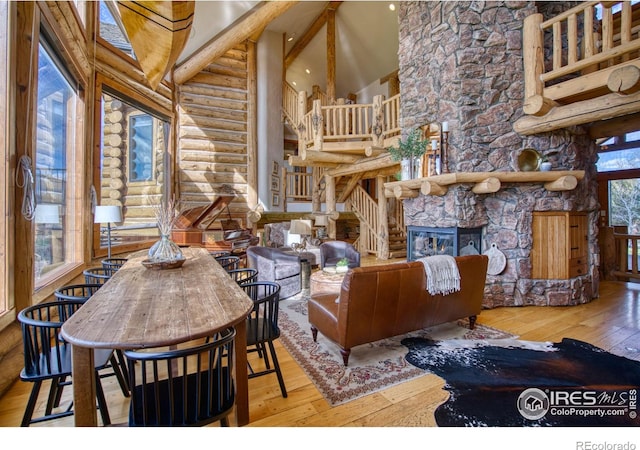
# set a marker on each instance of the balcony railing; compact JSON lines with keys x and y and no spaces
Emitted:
{"x":628,"y":256}
{"x":572,"y":56}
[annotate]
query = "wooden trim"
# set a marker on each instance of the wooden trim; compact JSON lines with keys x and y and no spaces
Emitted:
{"x":26,"y":45}
{"x":252,"y":125}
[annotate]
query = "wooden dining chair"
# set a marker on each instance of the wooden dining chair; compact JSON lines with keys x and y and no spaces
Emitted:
{"x":111,"y":265}
{"x":96,"y":275}
{"x":82,"y":292}
{"x":48,"y":357}
{"x":262,"y":327}
{"x":188,"y":386}
{"x":242,"y":276}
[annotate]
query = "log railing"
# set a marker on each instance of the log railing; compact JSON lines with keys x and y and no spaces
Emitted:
{"x":370,"y":123}
{"x":297,"y":186}
{"x":628,"y":257}
{"x":366,"y":209}
{"x":290,"y":104}
{"x":585,"y":52}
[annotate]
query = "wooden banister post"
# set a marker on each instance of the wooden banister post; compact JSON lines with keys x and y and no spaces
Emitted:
{"x":317,"y":122}
{"x":377,"y":127}
{"x":533,"y":57}
{"x":382,"y":233}
{"x":330,"y":191}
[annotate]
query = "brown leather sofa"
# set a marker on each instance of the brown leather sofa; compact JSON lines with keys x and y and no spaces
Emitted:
{"x":378,"y":302}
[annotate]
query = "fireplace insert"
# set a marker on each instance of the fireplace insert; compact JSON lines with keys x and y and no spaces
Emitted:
{"x":453,"y":241}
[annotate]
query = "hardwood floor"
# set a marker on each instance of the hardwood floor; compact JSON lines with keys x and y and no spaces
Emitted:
{"x":611,"y":322}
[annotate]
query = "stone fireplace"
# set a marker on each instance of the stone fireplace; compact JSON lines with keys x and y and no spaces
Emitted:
{"x":461,"y":62}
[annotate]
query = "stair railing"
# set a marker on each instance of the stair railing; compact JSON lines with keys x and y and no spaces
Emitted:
{"x":366,"y":209}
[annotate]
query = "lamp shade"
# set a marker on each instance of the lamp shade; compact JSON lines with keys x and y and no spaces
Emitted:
{"x":321,"y":221}
{"x":47,"y":213}
{"x":107,"y":214}
{"x":302,"y":227}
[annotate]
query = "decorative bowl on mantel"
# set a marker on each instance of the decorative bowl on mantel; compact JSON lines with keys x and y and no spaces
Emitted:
{"x":163,"y":265}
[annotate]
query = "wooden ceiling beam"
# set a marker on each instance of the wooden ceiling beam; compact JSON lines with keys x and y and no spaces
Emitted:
{"x":241,"y":30}
{"x":309,"y":34}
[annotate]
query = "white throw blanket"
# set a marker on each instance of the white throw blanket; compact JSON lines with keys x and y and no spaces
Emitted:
{"x":442,"y":272}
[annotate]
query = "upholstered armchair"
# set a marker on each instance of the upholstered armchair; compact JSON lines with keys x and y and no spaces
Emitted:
{"x":333,"y":251}
{"x":286,"y":235}
{"x":279,"y":265}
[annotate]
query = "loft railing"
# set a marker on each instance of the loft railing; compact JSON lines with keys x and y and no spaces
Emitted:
{"x":573,"y":56}
{"x":372,"y":122}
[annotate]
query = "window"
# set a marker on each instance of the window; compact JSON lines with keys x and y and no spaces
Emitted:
{"x":57,"y":240}
{"x":624,"y":204}
{"x":133,"y":168}
{"x":111,"y":30}
{"x":140,"y":147}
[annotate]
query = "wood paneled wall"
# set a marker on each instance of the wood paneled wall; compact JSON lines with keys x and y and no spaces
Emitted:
{"x":212,"y":137}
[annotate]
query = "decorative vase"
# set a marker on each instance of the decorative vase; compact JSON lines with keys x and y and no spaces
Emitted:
{"x":406,"y":169}
{"x":165,"y":250}
{"x":545,"y":166}
{"x":417,"y":167}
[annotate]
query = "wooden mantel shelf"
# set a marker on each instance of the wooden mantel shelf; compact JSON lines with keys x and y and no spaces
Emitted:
{"x":485,"y":182}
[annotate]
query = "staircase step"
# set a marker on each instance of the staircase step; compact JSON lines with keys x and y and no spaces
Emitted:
{"x":395,"y":247}
{"x":398,"y":254}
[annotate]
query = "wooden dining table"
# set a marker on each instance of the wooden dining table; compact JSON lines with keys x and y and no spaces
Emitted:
{"x":139,"y":307}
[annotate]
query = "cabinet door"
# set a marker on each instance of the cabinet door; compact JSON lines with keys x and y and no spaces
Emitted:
{"x":577,"y":235}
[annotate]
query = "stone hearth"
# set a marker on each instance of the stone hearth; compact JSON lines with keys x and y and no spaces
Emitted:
{"x":461,"y":62}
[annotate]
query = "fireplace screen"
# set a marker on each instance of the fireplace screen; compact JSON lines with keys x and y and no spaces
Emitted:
{"x":427,"y":241}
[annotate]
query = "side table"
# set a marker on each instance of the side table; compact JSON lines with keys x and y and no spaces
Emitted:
{"x":326,"y":283}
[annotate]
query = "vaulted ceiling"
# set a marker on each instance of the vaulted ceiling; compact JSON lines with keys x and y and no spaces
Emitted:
{"x":366,"y":39}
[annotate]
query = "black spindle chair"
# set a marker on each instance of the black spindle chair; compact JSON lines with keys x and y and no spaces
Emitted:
{"x":111,"y":265}
{"x":96,"y":275}
{"x":242,"y":276}
{"x":229,"y":262}
{"x":190,"y":386}
{"x":83,"y":292}
{"x":48,"y":357}
{"x":262,"y":326}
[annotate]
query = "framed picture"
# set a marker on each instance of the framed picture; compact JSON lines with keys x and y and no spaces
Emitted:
{"x":275,"y":183}
{"x":275,"y":168}
{"x":275,"y":199}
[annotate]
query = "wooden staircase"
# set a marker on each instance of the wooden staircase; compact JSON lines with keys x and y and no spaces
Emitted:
{"x":397,"y":242}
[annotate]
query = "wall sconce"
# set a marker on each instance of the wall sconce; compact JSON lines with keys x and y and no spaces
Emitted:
{"x":108,"y":214}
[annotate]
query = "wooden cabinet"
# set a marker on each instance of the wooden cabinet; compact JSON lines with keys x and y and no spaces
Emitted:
{"x":560,"y":245}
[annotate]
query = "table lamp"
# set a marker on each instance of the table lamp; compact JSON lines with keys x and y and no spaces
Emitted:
{"x":303,"y":228}
{"x":108,"y":214}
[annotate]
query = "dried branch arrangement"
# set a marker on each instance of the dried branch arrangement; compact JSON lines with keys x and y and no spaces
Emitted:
{"x":166,"y":215}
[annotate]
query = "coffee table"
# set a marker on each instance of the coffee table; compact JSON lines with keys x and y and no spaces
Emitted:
{"x":326,"y":283}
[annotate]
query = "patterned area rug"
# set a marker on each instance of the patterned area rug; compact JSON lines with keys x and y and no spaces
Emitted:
{"x":372,"y":367}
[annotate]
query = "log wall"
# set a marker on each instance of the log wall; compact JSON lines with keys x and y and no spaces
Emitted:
{"x":212,"y":113}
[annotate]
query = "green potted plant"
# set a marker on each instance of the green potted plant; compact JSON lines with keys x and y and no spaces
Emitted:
{"x":408,"y":152}
{"x":342,"y":265}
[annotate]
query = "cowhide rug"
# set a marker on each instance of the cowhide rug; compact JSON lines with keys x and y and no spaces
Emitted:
{"x":519,"y":383}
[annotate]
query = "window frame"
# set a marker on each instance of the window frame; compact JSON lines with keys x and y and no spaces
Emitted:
{"x":112,"y":87}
